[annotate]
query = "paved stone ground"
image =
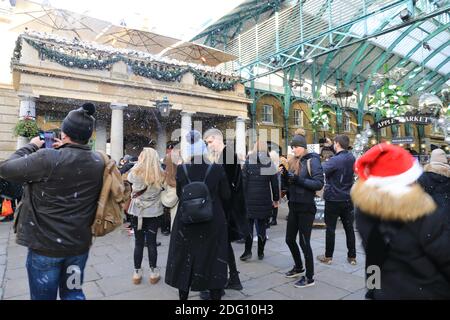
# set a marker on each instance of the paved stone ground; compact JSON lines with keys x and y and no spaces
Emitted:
{"x":110,"y":267}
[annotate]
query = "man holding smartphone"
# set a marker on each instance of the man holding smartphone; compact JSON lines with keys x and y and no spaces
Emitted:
{"x":62,"y":186}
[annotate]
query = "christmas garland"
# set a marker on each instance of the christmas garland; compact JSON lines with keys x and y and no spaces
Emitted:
{"x":102,"y":60}
{"x":391,"y":100}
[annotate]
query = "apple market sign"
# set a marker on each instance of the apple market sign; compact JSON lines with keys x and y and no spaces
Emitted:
{"x":400,"y":120}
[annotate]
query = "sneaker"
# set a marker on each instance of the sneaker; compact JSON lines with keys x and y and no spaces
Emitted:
{"x":324,"y":259}
{"x":240,"y":240}
{"x":273,"y":223}
{"x":165,"y":233}
{"x":294,"y":273}
{"x":352,"y":261}
{"x":137,"y":276}
{"x":245,"y":256}
{"x":154,"y":275}
{"x":303,"y":283}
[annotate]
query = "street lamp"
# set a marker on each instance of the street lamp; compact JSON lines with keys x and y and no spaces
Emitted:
{"x":343,"y":96}
{"x":163,"y":107}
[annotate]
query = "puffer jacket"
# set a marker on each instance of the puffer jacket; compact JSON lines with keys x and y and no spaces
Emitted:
{"x":436,"y":182}
{"x":339,"y":176}
{"x":260,"y":183}
{"x":62,"y":187}
{"x":304,"y":187}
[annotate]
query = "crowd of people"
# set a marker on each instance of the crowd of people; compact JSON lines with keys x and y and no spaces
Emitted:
{"x":210,"y":197}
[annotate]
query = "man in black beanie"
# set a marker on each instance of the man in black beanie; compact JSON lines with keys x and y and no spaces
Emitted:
{"x":62,"y":186}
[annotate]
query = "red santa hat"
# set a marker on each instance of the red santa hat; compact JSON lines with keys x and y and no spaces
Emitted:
{"x":388,"y":167}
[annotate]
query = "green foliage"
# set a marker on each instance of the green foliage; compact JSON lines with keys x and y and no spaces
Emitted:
{"x":319,"y":118}
{"x":26,"y":128}
{"x":390,"y":100}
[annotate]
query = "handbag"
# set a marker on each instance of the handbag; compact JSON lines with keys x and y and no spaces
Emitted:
{"x":169,"y":197}
{"x":7,"y":209}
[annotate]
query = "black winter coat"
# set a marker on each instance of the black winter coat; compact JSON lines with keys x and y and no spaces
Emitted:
{"x":408,"y":237}
{"x":235,"y":211}
{"x":436,"y":182}
{"x":198,"y":253}
{"x":304,"y":187}
{"x":261,"y":186}
{"x":339,"y":176}
{"x":60,"y":197}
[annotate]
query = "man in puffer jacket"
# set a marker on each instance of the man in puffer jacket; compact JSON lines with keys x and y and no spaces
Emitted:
{"x":405,"y":235}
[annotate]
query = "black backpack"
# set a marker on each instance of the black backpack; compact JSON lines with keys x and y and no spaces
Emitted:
{"x":196,"y":202}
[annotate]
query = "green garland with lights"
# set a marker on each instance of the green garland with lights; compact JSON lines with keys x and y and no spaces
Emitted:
{"x":104,"y":60}
{"x":390,"y":100}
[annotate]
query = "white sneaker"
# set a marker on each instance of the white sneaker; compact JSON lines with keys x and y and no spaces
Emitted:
{"x":137,"y":276}
{"x":154,"y":275}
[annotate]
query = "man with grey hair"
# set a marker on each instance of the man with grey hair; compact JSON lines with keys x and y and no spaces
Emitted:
{"x":235,"y":208}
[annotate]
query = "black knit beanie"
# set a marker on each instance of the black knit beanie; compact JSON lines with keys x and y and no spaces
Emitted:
{"x":79,"y":123}
{"x":298,"y":141}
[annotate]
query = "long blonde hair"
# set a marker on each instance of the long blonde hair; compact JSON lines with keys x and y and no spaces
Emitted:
{"x":171,"y":171}
{"x":148,"y":168}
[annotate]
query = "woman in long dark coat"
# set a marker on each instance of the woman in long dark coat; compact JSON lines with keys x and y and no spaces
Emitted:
{"x":198,"y":253}
{"x":260,"y":186}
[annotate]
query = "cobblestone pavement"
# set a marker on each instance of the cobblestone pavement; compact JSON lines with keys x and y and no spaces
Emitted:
{"x":110,"y":267}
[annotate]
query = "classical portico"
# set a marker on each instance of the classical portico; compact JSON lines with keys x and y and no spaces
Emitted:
{"x":124,"y":99}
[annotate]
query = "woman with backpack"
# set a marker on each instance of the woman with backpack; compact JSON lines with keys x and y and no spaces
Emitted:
{"x":198,"y":250}
{"x":147,"y":178}
{"x":260,"y":184}
{"x":304,"y":178}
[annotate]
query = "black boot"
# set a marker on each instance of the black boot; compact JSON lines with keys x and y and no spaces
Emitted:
{"x":234,"y":283}
{"x":248,"y":249}
{"x":261,"y":244}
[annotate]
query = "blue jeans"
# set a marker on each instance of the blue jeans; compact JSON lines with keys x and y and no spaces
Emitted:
{"x":47,"y":274}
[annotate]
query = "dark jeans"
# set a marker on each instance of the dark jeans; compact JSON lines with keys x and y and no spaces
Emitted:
{"x":147,"y":235}
{"x":165,"y":220}
{"x":344,"y":210}
{"x":301,"y":223}
{"x":46,"y":275}
{"x":261,"y":226}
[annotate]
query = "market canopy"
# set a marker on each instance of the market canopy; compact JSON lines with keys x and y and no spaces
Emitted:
{"x":29,"y":16}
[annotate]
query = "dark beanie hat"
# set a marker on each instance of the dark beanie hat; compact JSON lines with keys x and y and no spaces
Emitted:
{"x":298,"y":141}
{"x":79,"y":123}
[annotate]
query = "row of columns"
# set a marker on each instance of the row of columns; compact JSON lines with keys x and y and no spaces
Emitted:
{"x":28,"y":108}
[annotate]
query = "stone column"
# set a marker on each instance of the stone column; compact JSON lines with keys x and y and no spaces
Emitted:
{"x":117,"y":131}
{"x":27,"y":109}
{"x":186,"y":126}
{"x":240,"y":137}
{"x":100,"y":136}
{"x":161,"y":140}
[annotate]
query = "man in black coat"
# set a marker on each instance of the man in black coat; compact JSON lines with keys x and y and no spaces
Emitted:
{"x":339,"y":180}
{"x":405,"y":235}
{"x":62,"y":186}
{"x":234,"y":208}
